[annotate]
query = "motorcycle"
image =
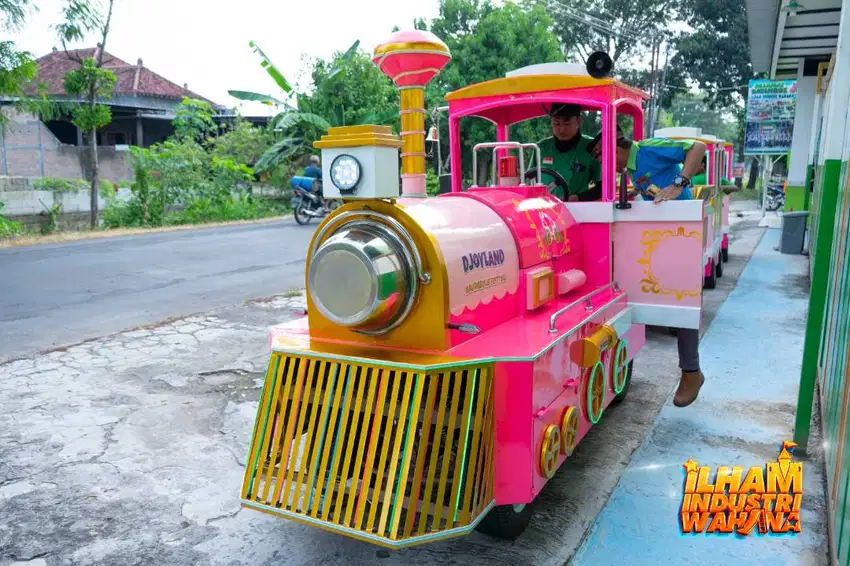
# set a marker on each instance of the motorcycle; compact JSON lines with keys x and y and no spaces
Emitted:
{"x":307,"y":201}
{"x":775,"y":198}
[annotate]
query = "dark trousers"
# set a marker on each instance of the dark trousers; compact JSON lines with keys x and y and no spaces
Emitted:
{"x":688,"y":349}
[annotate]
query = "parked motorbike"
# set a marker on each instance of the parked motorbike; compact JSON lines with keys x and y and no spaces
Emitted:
{"x":307,"y":200}
{"x":775,"y":198}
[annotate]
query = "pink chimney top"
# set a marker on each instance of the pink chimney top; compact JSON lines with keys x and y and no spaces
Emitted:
{"x":411,"y":58}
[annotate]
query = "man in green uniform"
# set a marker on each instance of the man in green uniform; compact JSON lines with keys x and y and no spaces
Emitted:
{"x":566,"y":152}
{"x":700,"y":178}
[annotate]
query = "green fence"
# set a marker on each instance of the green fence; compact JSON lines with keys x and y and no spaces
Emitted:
{"x":826,"y":353}
{"x":834,"y":370}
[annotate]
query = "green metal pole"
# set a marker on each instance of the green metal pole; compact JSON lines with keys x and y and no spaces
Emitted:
{"x":817,"y":300}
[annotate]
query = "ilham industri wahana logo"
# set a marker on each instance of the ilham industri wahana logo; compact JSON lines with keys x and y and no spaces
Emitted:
{"x":766,"y":499}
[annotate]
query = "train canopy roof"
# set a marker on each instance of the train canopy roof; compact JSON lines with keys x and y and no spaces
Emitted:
{"x":524,"y":93}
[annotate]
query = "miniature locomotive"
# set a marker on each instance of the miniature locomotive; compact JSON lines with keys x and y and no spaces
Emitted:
{"x":456,"y":349}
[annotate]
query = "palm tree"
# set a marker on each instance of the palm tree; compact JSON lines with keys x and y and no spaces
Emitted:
{"x":289,"y":120}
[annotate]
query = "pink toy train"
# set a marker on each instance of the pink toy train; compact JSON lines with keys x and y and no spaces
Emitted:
{"x":456,"y":349}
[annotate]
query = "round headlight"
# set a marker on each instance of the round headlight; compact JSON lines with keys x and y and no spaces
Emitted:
{"x":345,"y":173}
{"x":362,"y":277}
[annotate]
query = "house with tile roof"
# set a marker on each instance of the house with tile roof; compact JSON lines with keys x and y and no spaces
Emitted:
{"x":142,"y":102}
{"x":143,"y":105}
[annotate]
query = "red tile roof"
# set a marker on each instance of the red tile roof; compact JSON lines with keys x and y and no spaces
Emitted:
{"x":132,"y":80}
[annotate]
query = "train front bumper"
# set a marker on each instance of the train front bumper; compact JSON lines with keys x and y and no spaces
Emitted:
{"x":388,"y":454}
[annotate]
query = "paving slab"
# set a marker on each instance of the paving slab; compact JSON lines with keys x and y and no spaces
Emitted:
{"x":751,"y":355}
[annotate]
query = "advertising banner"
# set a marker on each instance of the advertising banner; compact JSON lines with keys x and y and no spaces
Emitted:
{"x":770,"y":117}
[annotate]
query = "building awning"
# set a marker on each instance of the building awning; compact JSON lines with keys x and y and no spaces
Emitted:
{"x":779,"y":38}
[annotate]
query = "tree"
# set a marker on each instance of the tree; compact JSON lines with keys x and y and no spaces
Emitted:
{"x":90,"y":81}
{"x":17,"y":67}
{"x":242,"y":142}
{"x":303,"y":118}
{"x":289,"y":118}
{"x":617,"y":27}
{"x":692,"y":110}
{"x":674,"y":82}
{"x":716,"y":55}
{"x":486,"y":42}
{"x":374,"y":100}
{"x":193,"y":120}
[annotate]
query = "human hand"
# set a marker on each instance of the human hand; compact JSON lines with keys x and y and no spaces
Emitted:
{"x":670,"y":192}
{"x":573,"y":198}
{"x":596,"y":151}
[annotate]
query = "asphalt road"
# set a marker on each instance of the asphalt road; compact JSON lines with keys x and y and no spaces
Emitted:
{"x":61,"y":294}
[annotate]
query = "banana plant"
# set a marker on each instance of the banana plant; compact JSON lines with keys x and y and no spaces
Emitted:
{"x":289,"y":118}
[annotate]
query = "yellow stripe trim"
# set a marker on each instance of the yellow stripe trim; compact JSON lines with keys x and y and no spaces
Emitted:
{"x":389,"y":48}
{"x":534,"y":83}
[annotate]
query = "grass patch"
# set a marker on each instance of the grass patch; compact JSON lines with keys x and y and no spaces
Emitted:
{"x":62,"y":185}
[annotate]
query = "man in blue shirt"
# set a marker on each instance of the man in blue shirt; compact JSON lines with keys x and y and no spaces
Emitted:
{"x":313,"y":170}
{"x":661,"y":170}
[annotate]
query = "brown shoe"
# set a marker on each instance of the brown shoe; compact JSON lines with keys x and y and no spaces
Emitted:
{"x":689,"y":387}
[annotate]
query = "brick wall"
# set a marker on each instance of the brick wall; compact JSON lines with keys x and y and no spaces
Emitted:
{"x":22,"y":203}
{"x":29,"y":149}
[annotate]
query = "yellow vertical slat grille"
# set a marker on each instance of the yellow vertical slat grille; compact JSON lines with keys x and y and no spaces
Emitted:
{"x":394,"y":454}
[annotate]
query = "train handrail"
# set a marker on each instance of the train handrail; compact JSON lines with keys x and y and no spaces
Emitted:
{"x":587,"y":298}
{"x":494,"y":145}
{"x":536,"y":149}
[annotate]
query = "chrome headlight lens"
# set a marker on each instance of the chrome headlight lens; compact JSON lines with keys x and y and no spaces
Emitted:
{"x":362,"y":277}
{"x":345,"y":173}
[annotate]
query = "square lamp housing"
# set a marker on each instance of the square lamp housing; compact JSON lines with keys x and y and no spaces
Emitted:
{"x":374,"y":150}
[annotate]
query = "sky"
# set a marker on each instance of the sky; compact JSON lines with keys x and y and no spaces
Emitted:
{"x":205,"y":44}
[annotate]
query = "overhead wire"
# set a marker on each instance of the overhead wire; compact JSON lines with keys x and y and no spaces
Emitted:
{"x":608,"y":28}
{"x":591,"y":20}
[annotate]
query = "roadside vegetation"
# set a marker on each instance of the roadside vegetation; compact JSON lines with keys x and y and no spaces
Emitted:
{"x":200,"y":174}
{"x":220,"y":169}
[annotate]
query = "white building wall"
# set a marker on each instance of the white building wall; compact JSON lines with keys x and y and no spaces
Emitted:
{"x":803,"y":118}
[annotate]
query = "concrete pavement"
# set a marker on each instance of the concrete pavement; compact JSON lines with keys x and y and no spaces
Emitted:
{"x":744,"y":412}
{"x":130,"y":449}
{"x":65,"y":293}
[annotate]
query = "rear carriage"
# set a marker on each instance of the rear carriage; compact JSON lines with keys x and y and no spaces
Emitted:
{"x":718,"y":157}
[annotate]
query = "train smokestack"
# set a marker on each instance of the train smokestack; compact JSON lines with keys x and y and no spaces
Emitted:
{"x":411,"y":59}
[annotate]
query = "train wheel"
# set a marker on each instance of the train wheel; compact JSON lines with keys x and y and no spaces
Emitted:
{"x":724,"y":253}
{"x":718,"y":268}
{"x":711,"y":280}
{"x":569,"y":431}
{"x":595,"y":393}
{"x":506,"y":521}
{"x":621,"y":396}
{"x":618,"y":366}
